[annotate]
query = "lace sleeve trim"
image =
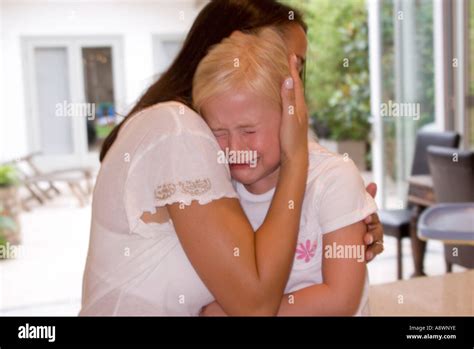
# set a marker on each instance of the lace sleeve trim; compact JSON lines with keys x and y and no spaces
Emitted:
{"x":191,"y":187}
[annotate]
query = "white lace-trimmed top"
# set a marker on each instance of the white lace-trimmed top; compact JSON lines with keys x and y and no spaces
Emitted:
{"x":166,"y":154}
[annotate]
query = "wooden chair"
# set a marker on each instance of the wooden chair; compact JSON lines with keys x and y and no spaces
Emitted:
{"x":396,"y":223}
{"x":43,"y":186}
{"x":453,"y":178}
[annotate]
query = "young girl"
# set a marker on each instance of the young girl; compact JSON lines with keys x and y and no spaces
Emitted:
{"x":237,"y":90}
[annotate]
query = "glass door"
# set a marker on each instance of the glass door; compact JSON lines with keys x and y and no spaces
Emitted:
{"x":74,"y":91}
{"x":407,"y":102}
{"x":470,"y":58}
{"x":52,"y":87}
{"x":99,"y":92}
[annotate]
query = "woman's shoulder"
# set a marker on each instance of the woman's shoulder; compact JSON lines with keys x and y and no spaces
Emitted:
{"x":172,"y":118}
{"x":169,"y":126}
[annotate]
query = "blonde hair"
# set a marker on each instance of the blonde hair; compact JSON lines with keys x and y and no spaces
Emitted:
{"x":257,"y":63}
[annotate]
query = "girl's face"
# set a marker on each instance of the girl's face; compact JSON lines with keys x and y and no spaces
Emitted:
{"x":245,"y":123}
{"x":242,"y":121}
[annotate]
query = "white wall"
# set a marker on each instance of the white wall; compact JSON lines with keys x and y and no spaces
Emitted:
{"x":2,"y":107}
{"x":135,"y":21}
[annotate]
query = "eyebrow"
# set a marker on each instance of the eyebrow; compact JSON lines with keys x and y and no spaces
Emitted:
{"x":239,"y":126}
{"x":218,"y":129}
{"x":247,"y":125}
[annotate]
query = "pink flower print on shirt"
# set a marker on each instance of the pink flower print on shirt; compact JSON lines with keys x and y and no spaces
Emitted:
{"x":306,"y":251}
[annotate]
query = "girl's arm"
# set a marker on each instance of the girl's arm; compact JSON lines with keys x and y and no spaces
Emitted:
{"x":343,"y":279}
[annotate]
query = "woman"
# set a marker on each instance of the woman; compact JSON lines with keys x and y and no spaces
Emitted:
{"x":164,"y":210}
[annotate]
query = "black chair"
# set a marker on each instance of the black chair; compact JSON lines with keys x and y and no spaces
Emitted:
{"x":452,"y":171}
{"x":396,"y":223}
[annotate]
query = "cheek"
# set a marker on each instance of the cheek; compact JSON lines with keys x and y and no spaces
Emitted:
{"x":222,"y":142}
{"x":267,"y":146}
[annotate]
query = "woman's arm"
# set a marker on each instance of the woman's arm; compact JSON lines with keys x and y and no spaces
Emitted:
{"x":246,"y":271}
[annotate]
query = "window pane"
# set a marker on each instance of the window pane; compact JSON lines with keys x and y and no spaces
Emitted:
{"x":408,"y":88}
{"x":52,"y":79}
{"x":471,"y":43}
{"x":99,"y":90}
{"x":471,"y":64}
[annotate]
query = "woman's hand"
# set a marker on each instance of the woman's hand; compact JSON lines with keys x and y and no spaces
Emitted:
{"x":212,"y":309}
{"x":294,"y":119}
{"x":374,"y":236}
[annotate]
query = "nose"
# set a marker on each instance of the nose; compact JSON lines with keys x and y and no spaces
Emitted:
{"x":236,"y":142}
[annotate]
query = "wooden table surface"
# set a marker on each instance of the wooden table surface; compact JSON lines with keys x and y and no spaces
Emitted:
{"x":449,"y":295}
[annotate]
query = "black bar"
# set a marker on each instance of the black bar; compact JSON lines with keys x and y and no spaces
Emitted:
{"x":380,"y":332}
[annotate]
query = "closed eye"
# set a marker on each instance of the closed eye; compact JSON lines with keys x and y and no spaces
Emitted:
{"x":218,"y":132}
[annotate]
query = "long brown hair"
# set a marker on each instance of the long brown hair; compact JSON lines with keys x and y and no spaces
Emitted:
{"x":216,"y":21}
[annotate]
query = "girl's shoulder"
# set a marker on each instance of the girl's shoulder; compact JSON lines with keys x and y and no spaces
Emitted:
{"x":325,"y":165}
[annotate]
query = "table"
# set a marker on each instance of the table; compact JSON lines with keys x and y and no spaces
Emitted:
{"x":445,"y":295}
{"x":452,"y":223}
{"x":420,"y":196}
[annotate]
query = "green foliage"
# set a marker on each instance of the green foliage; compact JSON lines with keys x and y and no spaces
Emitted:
{"x":103,"y":131}
{"x":8,"y":176}
{"x":7,"y":225}
{"x":338,"y":94}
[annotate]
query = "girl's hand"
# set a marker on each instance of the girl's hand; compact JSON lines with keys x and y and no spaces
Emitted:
{"x":374,"y":236}
{"x":294,"y":119}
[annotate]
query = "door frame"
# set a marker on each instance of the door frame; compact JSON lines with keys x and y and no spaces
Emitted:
{"x":159,"y":66}
{"x":73,"y":45}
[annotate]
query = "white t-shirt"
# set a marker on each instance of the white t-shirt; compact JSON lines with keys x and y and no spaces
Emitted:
{"x":335,"y":197}
{"x":164,"y":155}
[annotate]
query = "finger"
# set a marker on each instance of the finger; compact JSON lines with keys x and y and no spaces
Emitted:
{"x":373,"y":250}
{"x":300,"y":103}
{"x":369,"y":238}
{"x":372,"y":189}
{"x":288,"y":97}
{"x":371,"y":227}
{"x":376,"y":230}
{"x":368,"y":219}
{"x":374,"y":218}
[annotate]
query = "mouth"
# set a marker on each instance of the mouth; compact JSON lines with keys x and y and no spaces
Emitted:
{"x":239,"y":166}
{"x":243,"y":166}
